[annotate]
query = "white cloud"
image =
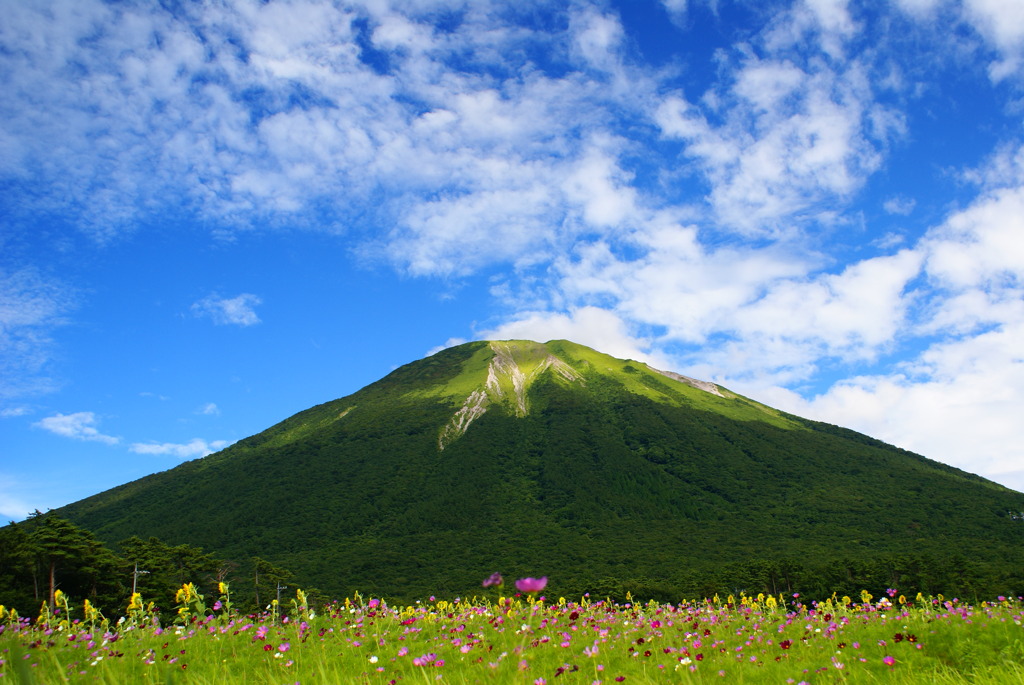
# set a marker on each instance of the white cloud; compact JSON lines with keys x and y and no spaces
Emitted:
{"x":1001,"y":22}
{"x":676,"y":9}
{"x":828,"y":21}
{"x":960,"y":406}
{"x":601,"y":188}
{"x":193,"y":448}
{"x":238,"y":311}
{"x":80,"y":426}
{"x":792,"y":138}
{"x":209,"y":409}
{"x":596,"y":37}
{"x":981,"y":247}
{"x":670,"y":280}
{"x":848,"y":314}
{"x":590,"y":326}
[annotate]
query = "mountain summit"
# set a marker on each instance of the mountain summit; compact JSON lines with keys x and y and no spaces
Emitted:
{"x":513,"y":366}
{"x":555,"y":459}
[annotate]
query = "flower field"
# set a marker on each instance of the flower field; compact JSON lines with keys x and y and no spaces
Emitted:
{"x":526,"y":638}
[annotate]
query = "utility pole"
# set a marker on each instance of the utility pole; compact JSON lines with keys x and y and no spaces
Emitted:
{"x":135,"y":576}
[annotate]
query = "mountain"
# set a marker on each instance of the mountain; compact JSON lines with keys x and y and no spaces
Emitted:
{"x":555,"y":459}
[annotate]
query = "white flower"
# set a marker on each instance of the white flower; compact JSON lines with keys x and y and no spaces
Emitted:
{"x":373,"y":659}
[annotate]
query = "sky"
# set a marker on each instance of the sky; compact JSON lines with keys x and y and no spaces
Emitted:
{"x":216,"y":214}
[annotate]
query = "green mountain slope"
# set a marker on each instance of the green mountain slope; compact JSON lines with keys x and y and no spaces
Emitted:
{"x":555,"y":459}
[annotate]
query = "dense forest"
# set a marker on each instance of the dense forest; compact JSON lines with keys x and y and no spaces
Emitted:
{"x":46,"y":553}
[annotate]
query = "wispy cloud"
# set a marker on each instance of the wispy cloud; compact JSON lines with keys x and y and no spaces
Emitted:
{"x":11,"y":412}
{"x":236,"y":311}
{"x":80,"y":426}
{"x":899,"y":205}
{"x":31,"y":308}
{"x":13,"y":505}
{"x":193,"y":448}
{"x":208,"y":409}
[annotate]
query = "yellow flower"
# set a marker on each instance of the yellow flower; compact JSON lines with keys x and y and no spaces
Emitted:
{"x":222,"y":587}
{"x":58,"y":597}
{"x":135,"y":603}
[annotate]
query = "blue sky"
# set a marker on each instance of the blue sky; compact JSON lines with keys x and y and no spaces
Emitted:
{"x":216,"y":214}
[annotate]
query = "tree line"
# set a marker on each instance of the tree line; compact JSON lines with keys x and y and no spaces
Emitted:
{"x":45,"y":553}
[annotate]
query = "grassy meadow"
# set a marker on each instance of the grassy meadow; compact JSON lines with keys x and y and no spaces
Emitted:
{"x":524,"y":638}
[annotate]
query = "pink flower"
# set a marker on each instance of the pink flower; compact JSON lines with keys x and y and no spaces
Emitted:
{"x":284,"y":647}
{"x":531,"y":584}
{"x":888,"y":660}
{"x":494,"y":580}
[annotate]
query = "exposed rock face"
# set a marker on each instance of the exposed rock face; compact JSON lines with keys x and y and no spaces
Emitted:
{"x":509,"y":375}
{"x":692,"y":382}
{"x":474,"y":407}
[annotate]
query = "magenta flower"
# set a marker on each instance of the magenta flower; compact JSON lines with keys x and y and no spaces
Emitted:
{"x":531,"y":584}
{"x":888,"y":660}
{"x":495,"y":580}
{"x":284,"y":647}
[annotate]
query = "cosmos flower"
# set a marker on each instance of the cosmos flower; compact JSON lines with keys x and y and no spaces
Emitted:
{"x":495,"y":580}
{"x":531,"y":584}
